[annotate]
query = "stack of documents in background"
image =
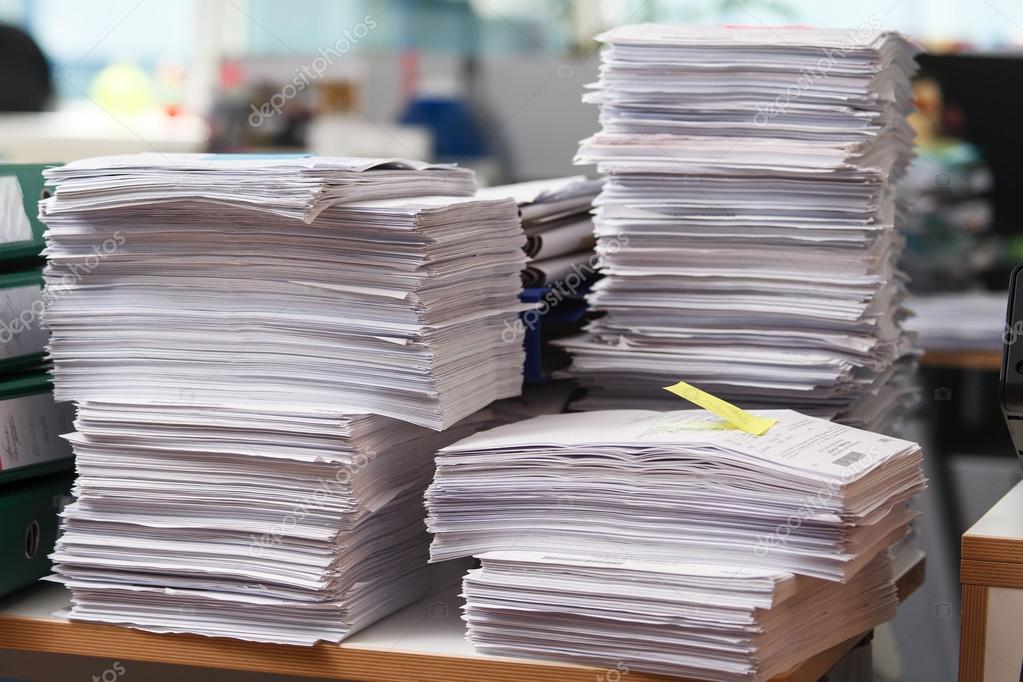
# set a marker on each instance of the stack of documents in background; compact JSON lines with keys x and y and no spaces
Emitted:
{"x":556,"y":220}
{"x":747,"y":226}
{"x":562,"y":265}
{"x":258,"y":374}
{"x":578,"y":493}
{"x":951,"y":322}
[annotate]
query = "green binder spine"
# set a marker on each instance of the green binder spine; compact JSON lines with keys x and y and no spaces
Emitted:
{"x":31,"y":426}
{"x":22,"y":340}
{"x":28,"y":527}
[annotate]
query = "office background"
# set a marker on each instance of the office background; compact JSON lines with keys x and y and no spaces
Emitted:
{"x":496,"y":85}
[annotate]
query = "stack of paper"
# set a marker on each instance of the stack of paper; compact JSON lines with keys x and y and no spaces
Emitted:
{"x":259,"y":395}
{"x":276,"y":526}
{"x":968,"y":321}
{"x":662,"y":485}
{"x":668,"y":617}
{"x":397,"y":307}
{"x":559,"y":230}
{"x":747,"y":226}
{"x":671,"y":541}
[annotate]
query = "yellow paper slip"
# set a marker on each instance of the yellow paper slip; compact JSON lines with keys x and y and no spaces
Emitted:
{"x":737,"y":416}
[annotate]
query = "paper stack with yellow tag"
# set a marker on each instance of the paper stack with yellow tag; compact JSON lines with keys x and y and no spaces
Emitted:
{"x":674,"y":542}
{"x":747,"y":227}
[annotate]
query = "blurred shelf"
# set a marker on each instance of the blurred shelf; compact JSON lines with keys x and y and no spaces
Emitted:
{"x":424,"y":642}
{"x":984,"y":360}
{"x":60,"y":136}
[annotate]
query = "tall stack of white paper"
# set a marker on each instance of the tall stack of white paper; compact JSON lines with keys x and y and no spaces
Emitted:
{"x":556,"y":219}
{"x":747,"y":226}
{"x":671,"y":541}
{"x":261,"y":368}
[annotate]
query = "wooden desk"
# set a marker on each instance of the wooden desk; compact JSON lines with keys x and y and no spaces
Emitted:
{"x":423,"y":642}
{"x":991,"y":638}
{"x":984,"y":360}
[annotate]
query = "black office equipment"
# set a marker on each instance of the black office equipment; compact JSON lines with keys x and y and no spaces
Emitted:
{"x":1010,"y":379}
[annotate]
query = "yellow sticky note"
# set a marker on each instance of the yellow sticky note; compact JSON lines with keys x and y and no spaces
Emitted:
{"x":742,"y":419}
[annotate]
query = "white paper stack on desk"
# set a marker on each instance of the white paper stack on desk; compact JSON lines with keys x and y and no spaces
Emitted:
{"x":275,"y":526}
{"x":582,"y":522}
{"x":556,"y":219}
{"x":259,"y":396}
{"x":701,"y":622}
{"x":393,"y":307}
{"x":660,"y":485}
{"x":747,"y":227}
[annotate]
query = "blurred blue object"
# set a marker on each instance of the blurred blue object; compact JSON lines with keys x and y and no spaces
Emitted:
{"x":456,"y":133}
{"x":558,"y":316}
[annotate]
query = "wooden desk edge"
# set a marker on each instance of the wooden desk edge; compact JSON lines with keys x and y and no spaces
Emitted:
{"x":990,"y":360}
{"x":992,"y":549}
{"x":997,"y":537}
{"x":992,"y":556}
{"x":41,"y":635}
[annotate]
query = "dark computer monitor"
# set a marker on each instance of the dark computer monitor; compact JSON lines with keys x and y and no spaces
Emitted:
{"x":984,"y":105}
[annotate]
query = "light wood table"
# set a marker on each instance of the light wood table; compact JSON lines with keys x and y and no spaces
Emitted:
{"x":991,"y":623}
{"x":424,"y":642}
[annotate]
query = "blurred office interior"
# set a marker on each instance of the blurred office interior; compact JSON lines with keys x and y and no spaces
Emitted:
{"x":496,"y":85}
